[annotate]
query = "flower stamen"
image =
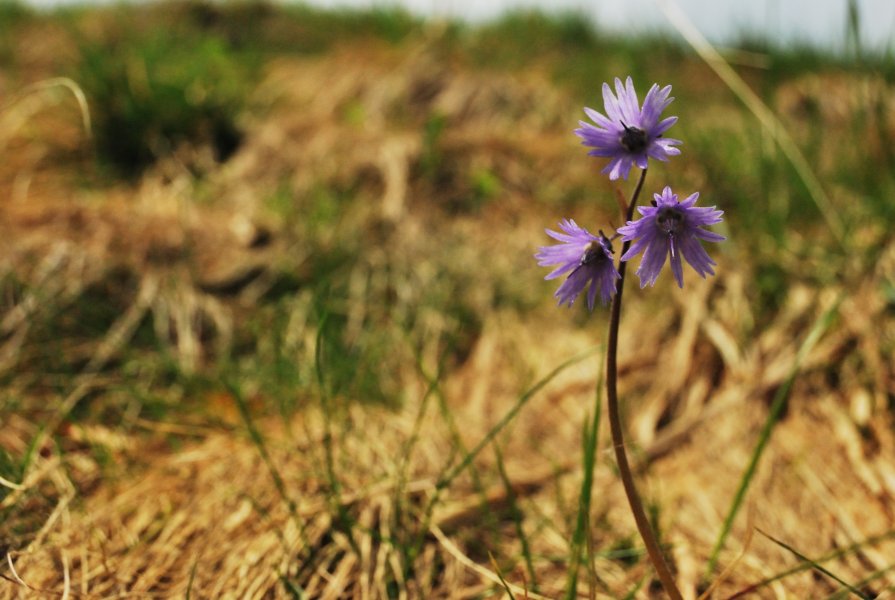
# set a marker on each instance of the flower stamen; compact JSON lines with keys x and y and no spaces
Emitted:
{"x":585,"y":259}
{"x":633,"y":139}
{"x":669,"y":219}
{"x":671,"y":228}
{"x":628,"y":146}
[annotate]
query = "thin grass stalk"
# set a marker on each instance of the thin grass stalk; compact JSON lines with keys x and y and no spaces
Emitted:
{"x":765,"y":115}
{"x":879,"y":573}
{"x":615,"y":425}
{"x":516,"y":514}
{"x":458,"y":448}
{"x":590,"y":441}
{"x":451,"y":473}
{"x":410,"y":549}
{"x":343,"y":519}
{"x":258,"y":440}
{"x":779,"y":403}
{"x":839,"y":553}
{"x":63,"y":82}
{"x":632,"y":593}
{"x":446,"y":480}
{"x":503,"y":581}
{"x":818,"y":567}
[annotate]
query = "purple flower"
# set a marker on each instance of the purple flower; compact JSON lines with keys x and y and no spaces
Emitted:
{"x":629,"y":134}
{"x":586,"y":258}
{"x":675,"y":228}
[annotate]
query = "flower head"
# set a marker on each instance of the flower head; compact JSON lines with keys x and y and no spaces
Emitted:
{"x":669,"y":227}
{"x":629,"y":134}
{"x":586,"y":258}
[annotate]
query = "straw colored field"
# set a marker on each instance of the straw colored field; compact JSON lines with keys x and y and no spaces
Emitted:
{"x":317,"y":359}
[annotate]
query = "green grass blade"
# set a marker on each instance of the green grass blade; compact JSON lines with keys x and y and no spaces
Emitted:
{"x":516,"y":514}
{"x":762,"y":112}
{"x":842,"y":594}
{"x":633,"y":593}
{"x":503,"y":581}
{"x":802,"y":567}
{"x":450,"y":474}
{"x":776,"y":410}
{"x":293,"y":589}
{"x":458,"y":447}
{"x":507,"y":418}
{"x":817,"y":567}
{"x":189,"y":583}
{"x":343,"y":520}
{"x":409,"y":549}
{"x":258,"y":441}
{"x":590,"y":441}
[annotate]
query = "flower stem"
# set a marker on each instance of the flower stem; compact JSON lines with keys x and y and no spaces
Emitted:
{"x":618,"y":442}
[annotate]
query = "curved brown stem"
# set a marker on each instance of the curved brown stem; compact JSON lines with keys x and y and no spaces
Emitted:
{"x":615,"y":425}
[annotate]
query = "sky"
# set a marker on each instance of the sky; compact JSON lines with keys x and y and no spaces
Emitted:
{"x":821,"y":22}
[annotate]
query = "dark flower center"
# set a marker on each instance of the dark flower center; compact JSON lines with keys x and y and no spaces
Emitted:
{"x":634,"y":139}
{"x":593,"y":252}
{"x":670,"y":219}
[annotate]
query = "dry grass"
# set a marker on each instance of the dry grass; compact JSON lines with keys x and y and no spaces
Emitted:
{"x":149,"y":507}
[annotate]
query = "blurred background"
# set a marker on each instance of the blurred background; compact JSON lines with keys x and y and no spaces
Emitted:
{"x":271,"y":325}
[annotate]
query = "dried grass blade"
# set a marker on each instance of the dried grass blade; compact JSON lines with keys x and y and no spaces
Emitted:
{"x":765,"y":115}
{"x":729,"y":569}
{"x":53,"y":82}
{"x":11,"y":485}
{"x":467,"y":562}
